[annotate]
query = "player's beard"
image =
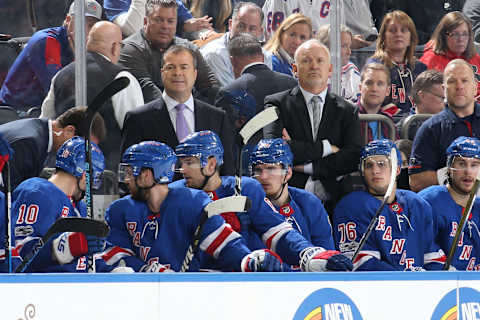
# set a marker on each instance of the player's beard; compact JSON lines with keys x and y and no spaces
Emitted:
{"x":139,"y":194}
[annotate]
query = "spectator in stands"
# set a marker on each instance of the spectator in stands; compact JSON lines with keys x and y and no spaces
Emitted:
{"x":426,"y":14}
{"x":47,"y":51}
{"x":103,"y":51}
{"x":396,"y":49}
{"x":143,"y":51}
{"x":243,"y":98}
{"x":294,"y":30}
{"x":130,"y":15}
{"x":246,"y":17}
{"x":405,"y":148}
{"x":452,"y":39}
{"x":33,"y":139}
{"x":357,"y":16}
{"x":175,"y":114}
{"x":374,"y":88}
{"x":220,"y":11}
{"x":471,"y":10}
{"x":428,"y":98}
{"x":461,"y":117}
{"x":321,"y":128}
{"x":350,"y":75}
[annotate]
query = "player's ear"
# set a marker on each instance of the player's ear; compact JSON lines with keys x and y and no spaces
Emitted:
{"x":289,"y":174}
{"x":211,"y":166}
{"x":69,"y":131}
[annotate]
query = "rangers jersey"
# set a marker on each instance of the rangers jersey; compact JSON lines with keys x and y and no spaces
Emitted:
{"x":275,"y":233}
{"x":276,"y":11}
{"x":402,"y":239}
{"x":446,"y":216}
{"x":141,"y":237}
{"x":37,"y":204}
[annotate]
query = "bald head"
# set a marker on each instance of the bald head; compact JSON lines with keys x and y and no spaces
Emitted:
{"x":106,"y":38}
{"x":312,"y":44}
{"x":460,"y":87}
{"x":459,"y":63}
{"x":312,"y":66}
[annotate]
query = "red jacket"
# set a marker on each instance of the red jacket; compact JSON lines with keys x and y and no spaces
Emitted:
{"x":440,"y":61}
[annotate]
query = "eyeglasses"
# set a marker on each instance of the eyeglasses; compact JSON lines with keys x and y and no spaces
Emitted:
{"x":439,"y":96}
{"x":457,"y":35}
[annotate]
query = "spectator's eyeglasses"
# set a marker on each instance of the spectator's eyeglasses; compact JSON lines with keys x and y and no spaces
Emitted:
{"x":457,"y":35}
{"x":439,"y":96}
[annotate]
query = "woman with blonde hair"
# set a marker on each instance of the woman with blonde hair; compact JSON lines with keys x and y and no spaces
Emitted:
{"x":396,"y":44}
{"x":452,"y":39}
{"x":294,"y":30}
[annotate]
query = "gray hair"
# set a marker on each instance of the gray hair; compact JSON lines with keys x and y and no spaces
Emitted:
{"x":252,"y":6}
{"x":151,"y":4}
{"x":244,"y":45}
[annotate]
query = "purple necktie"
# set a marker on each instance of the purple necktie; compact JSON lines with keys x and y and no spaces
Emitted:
{"x":181,"y":122}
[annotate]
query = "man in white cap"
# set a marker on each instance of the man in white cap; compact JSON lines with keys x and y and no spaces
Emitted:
{"x":47,"y":51}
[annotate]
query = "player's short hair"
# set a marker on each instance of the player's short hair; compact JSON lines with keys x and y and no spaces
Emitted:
{"x":178,"y":48}
{"x":425,"y":81}
{"x":245,"y":45}
{"x":252,"y":6}
{"x":76,"y":117}
{"x":151,"y":4}
{"x":378,"y":67}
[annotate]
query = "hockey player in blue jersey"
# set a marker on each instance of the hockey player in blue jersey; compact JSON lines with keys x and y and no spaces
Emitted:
{"x":38,"y":203}
{"x":201,"y":155}
{"x":151,"y":229}
{"x":403,"y":236}
{"x":271,"y":162}
{"x":448,"y":203}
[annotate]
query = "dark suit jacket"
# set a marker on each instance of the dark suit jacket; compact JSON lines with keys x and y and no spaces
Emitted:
{"x":339,"y":125}
{"x":29,"y":141}
{"x":152,"y":122}
{"x":257,"y":81}
{"x":244,"y":97}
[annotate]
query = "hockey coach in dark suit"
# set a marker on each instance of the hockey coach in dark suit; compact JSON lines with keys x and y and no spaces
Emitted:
{"x":321,"y":128}
{"x":176,"y":114}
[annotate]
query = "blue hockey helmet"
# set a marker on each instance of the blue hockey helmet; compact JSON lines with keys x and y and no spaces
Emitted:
{"x":271,"y":151}
{"x":243,"y":105}
{"x":380,"y":147}
{"x":467,"y":147}
{"x":149,"y":154}
{"x":202,"y":145}
{"x":71,"y":158}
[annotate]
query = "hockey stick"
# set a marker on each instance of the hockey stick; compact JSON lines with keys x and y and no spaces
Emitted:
{"x":373,"y":222}
{"x":97,"y":103}
{"x":466,"y":212}
{"x":253,"y":125}
{"x":8,"y":216}
{"x":228,"y":204}
{"x":74,"y":224}
{"x":236,"y":203}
